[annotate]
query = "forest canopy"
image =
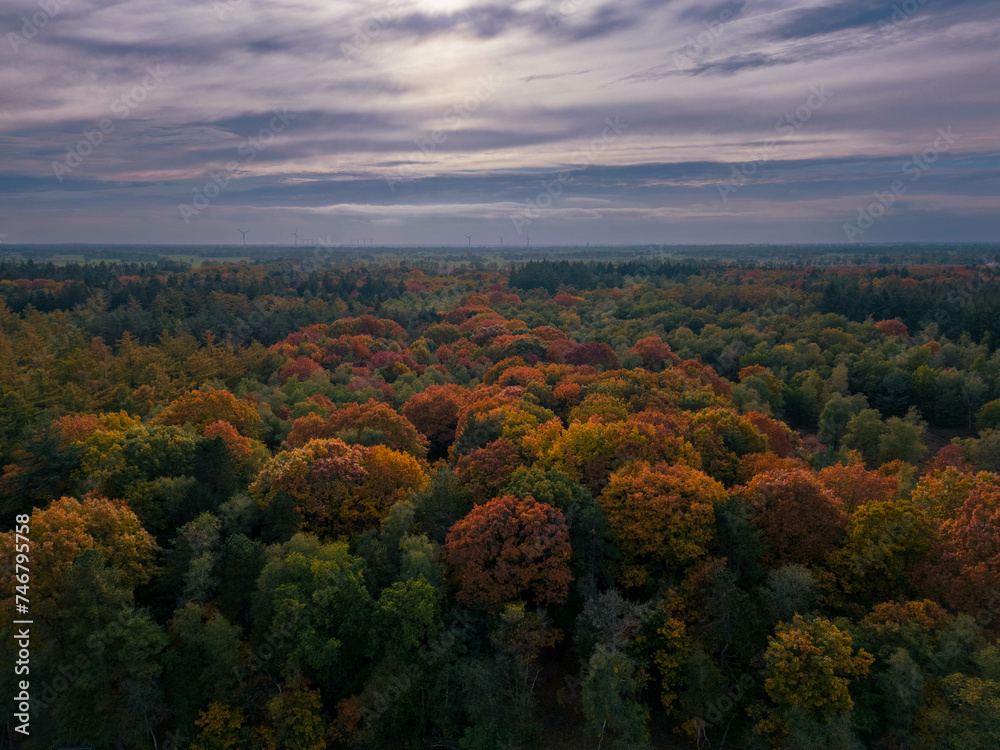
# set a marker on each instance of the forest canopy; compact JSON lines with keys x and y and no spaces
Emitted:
{"x":568,"y":504}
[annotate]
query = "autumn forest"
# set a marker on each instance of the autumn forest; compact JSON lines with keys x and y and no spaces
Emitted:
{"x":661,"y":503}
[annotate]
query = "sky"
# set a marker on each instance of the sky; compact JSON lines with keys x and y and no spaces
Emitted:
{"x":563,"y":121}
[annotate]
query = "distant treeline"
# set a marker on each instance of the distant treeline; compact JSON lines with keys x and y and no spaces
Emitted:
{"x":961,"y":301}
{"x":550,"y":275}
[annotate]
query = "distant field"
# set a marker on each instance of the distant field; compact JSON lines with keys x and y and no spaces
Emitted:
{"x":62,"y":260}
{"x":197,"y":261}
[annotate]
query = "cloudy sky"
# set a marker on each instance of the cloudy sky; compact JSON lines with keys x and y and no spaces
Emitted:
{"x":422,"y":121}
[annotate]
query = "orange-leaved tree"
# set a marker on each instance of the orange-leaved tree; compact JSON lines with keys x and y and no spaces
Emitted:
{"x":371,"y":423}
{"x":963,"y":568}
{"x":70,"y":526}
{"x":205,"y":407}
{"x":856,"y":486}
{"x":337,"y":488}
{"x":662,"y":518}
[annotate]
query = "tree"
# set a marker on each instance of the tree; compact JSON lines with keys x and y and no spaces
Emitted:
{"x":239,"y":565}
{"x":966,"y":556}
{"x":722,"y":437}
{"x":892,"y":328}
{"x":222,"y":728}
{"x":972,"y":391}
{"x":610,"y":694}
{"x":302,"y":368}
{"x":988,"y":416}
{"x":809,"y":668}
{"x":510,"y":549}
{"x":312,"y":611}
{"x":434,"y":412}
{"x":68,"y":527}
{"x":802,"y":521}
{"x":962,"y":713}
{"x":950,"y":456}
{"x":903,"y":439}
{"x":103,"y":657}
{"x":780,"y":438}
{"x":486,"y":471}
{"x":594,"y":353}
{"x":789,"y":591}
{"x":984,"y":451}
{"x":864,"y":433}
{"x":76,"y":428}
{"x":654,"y":354}
{"x":204,"y":407}
{"x":759,"y":386}
{"x":117,"y":464}
{"x":883,"y":540}
{"x":296,"y":721}
{"x":404,"y":618}
{"x":552,"y":486}
{"x":249,"y":454}
{"x":605,"y":407}
{"x":665,"y":640}
{"x":517,"y":639}
{"x":662,"y":518}
{"x":338,"y":488}
{"x":201,"y":662}
{"x":834,"y":420}
{"x":856,"y":486}
{"x":371,"y":423}
{"x":942,"y":493}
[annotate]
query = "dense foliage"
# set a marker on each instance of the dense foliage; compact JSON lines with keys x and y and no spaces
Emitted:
{"x":570,"y":505}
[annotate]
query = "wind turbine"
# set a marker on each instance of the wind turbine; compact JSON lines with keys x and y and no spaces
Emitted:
{"x":470,"y":239}
{"x":295,"y":234}
{"x":529,"y":240}
{"x":244,"y":236}
{"x":501,"y":240}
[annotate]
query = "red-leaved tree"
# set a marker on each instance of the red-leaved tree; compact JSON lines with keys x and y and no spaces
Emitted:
{"x":801,"y":519}
{"x":508,"y":550}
